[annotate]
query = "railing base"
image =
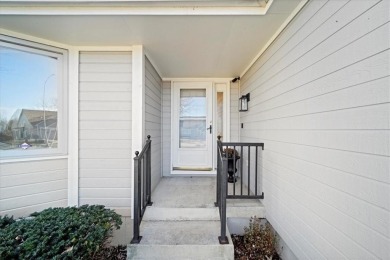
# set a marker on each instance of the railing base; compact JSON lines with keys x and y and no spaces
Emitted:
{"x":136,"y":240}
{"x":149,"y":204}
{"x":223,"y":240}
{"x":216,"y":204}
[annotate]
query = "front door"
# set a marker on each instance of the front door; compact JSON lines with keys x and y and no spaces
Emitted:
{"x":192,"y":126}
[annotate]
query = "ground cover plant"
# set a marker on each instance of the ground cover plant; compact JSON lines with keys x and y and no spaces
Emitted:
{"x":258,"y":242}
{"x":60,"y":233}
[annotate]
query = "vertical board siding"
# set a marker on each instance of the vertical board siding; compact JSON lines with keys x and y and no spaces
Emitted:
{"x":26,"y":187}
{"x":153,"y":118}
{"x":320,"y":103}
{"x":166,"y":128}
{"x":105,"y":130}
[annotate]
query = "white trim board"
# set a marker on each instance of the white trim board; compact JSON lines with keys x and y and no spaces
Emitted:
{"x":104,"y":7}
{"x":215,"y":80}
{"x":73,"y":128}
{"x":138,"y":107}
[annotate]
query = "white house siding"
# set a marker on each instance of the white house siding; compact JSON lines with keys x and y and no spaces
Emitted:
{"x":166,"y":128}
{"x":26,"y":187}
{"x":320,"y":103}
{"x":153,"y":120}
{"x":105,"y":130}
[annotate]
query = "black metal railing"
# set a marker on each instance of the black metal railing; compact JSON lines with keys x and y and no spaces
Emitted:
{"x":222,"y":164}
{"x":142,"y":187}
{"x":234,"y":181}
{"x":243,"y":171}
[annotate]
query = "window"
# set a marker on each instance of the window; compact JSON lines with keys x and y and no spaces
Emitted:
{"x":32,"y":99}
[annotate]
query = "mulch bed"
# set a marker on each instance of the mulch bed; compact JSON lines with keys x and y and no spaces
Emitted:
{"x":244,"y":252}
{"x":112,"y":253}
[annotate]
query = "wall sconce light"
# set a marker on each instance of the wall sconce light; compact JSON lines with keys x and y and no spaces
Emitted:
{"x":243,"y":103}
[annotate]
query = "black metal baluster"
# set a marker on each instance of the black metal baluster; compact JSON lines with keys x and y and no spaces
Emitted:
{"x":256,"y":172}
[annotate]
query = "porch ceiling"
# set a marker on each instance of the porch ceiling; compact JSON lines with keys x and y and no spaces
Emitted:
{"x":179,"y":46}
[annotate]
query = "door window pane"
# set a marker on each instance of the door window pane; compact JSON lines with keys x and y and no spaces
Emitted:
{"x":192,"y":133}
{"x":193,"y":103}
{"x":220,"y":114}
{"x":192,"y":127}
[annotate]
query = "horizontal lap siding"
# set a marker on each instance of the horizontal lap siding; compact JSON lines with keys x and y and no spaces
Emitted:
{"x":153,"y":121}
{"x":26,"y":187}
{"x":320,"y":103}
{"x":105,"y":130}
{"x":166,"y":128}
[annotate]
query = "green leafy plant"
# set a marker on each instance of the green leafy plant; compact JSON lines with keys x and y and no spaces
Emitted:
{"x":59,"y":233}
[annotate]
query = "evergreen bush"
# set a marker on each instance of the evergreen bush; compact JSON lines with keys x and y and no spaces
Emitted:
{"x":58,"y":233}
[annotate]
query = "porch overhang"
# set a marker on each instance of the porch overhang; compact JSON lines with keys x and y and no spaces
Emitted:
{"x":185,"y":39}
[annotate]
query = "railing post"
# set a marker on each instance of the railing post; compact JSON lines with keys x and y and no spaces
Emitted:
{"x":223,"y":175}
{"x":149,"y":173}
{"x":137,"y":200}
{"x":217,"y":203}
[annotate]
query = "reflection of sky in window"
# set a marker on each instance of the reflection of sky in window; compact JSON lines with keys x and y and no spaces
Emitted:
{"x":193,"y":107}
{"x":22,"y":80}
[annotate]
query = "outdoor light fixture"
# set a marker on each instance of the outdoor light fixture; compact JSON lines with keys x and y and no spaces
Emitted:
{"x":243,"y":103}
{"x":235,"y":79}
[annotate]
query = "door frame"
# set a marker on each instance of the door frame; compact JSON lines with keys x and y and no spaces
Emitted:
{"x":216,"y":83}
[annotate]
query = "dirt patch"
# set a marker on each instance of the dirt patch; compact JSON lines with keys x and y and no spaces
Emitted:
{"x":244,"y":251}
{"x":258,"y":242}
{"x":112,"y":253}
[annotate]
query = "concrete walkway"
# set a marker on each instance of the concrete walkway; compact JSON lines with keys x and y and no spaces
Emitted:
{"x":183,"y":222}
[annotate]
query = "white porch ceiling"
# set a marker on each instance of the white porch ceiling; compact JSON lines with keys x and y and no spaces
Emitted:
{"x":179,"y":46}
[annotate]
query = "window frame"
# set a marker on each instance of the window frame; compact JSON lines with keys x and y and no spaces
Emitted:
{"x":62,"y":92}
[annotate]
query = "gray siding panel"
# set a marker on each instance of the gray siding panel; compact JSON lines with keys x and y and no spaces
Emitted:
{"x":105,"y":130}
{"x":166,"y":128}
{"x":153,"y":117}
{"x":26,"y":187}
{"x":320,"y":103}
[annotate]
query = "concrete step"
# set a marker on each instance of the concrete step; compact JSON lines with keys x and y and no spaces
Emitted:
{"x":180,"y":214}
{"x":180,"y":240}
{"x":180,"y":252}
{"x":235,"y":209}
{"x":244,"y":208}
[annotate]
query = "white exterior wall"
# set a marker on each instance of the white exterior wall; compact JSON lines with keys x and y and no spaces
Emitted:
{"x":105,"y":130}
{"x":320,"y":103}
{"x":26,"y":187}
{"x":153,"y":120}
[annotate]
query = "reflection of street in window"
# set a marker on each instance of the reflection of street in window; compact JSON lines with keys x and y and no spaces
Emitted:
{"x":28,"y":99}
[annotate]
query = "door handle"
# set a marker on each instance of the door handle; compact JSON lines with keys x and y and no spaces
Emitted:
{"x":210,"y":128}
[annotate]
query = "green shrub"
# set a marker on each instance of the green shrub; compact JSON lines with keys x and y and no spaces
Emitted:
{"x":5,"y":221}
{"x":59,"y":233}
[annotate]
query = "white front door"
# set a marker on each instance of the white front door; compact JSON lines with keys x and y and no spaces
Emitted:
{"x":192,"y":139}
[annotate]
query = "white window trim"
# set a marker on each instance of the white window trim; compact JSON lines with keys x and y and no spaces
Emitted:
{"x":62,"y":126}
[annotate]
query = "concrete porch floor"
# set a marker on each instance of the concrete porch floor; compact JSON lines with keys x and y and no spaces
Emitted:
{"x":200,"y":192}
{"x":183,"y":222}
